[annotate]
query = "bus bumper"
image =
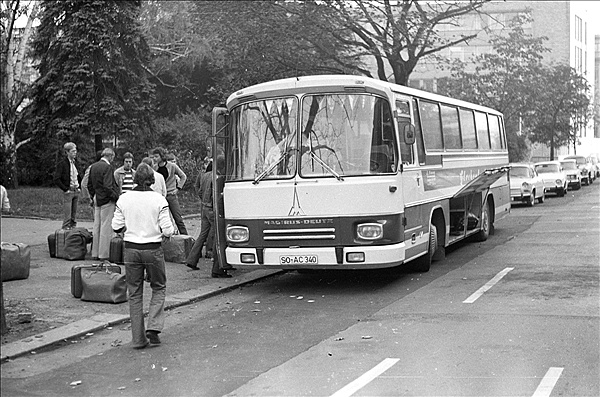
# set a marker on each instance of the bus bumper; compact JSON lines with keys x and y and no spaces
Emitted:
{"x":380,"y":256}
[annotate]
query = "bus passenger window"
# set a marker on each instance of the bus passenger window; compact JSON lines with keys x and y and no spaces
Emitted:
{"x":450,"y":127}
{"x":430,"y":122}
{"x":403,"y":114}
{"x":467,"y":127}
{"x":418,"y":132}
{"x":482,"y":130}
{"x":495,"y":132}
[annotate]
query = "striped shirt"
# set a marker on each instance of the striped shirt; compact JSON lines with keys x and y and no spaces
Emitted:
{"x":127,"y":181}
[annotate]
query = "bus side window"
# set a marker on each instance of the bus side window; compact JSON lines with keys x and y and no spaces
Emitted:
{"x":483,"y":135}
{"x":467,"y":126}
{"x":495,"y":132}
{"x":418,"y":133}
{"x":403,"y":115}
{"x":431,"y":125}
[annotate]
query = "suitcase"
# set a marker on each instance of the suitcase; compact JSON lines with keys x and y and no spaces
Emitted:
{"x":116,"y":250}
{"x":76,"y":285}
{"x":103,"y":286}
{"x":16,"y":260}
{"x":177,"y":248}
{"x":71,"y":244}
{"x":52,"y":245}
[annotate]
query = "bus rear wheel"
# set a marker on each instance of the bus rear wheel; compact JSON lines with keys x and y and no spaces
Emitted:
{"x":423,"y":263}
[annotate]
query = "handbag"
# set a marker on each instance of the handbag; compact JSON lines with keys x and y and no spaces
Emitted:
{"x":103,"y":285}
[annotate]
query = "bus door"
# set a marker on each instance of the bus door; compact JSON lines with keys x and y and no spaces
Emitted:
{"x":219,"y":134}
{"x":410,"y":175}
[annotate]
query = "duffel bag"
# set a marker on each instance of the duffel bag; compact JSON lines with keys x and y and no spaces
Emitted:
{"x":177,"y":248}
{"x":76,"y":285}
{"x":71,"y":244}
{"x":16,"y":261}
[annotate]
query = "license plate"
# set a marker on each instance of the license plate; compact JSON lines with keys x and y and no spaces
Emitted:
{"x":298,"y":260}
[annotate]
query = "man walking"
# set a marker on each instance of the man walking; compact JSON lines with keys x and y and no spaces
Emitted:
{"x":104,"y":193}
{"x":68,"y":178}
{"x":143,"y":215}
{"x":171,"y":171}
{"x":124,"y":174}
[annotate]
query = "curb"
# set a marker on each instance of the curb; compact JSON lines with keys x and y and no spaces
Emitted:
{"x":101,"y":321}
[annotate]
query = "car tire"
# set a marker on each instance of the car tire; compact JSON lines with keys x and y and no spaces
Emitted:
{"x":542,"y":198}
{"x":562,"y":191}
{"x":531,"y":200}
{"x":578,"y":186}
{"x":590,"y":179}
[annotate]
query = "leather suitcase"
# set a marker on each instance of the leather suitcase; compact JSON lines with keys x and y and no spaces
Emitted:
{"x":16,"y":260}
{"x":103,"y":286}
{"x":116,"y":250}
{"x":76,"y":285}
{"x":71,"y":244}
{"x":177,"y":248}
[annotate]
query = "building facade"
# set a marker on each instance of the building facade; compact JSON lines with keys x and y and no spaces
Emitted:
{"x":568,"y":25}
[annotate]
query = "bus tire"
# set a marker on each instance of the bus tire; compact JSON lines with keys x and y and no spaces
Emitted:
{"x":423,"y":263}
{"x":486,"y":224}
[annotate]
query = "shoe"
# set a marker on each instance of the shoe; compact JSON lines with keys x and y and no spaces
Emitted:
{"x":192,"y":266}
{"x":208,"y":255}
{"x":229,"y":268}
{"x":153,"y":337}
{"x":221,"y":275}
{"x":142,"y":346}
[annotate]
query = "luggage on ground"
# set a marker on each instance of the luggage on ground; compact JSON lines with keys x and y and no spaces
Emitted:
{"x":103,"y":286}
{"x":52,"y":245}
{"x":116,"y":250}
{"x":16,"y":260}
{"x":177,"y":248}
{"x":76,"y":286}
{"x":70,"y":244}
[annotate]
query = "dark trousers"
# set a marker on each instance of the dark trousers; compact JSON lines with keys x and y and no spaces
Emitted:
{"x":207,"y":232}
{"x":176,"y":212}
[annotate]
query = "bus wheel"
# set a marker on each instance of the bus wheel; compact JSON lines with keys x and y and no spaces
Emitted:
{"x":423,"y":263}
{"x":486,"y":224}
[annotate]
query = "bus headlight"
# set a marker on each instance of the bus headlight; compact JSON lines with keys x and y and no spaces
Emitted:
{"x":369,"y":231}
{"x":237,"y":234}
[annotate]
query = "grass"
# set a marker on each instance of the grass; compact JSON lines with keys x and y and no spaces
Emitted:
{"x":47,"y":203}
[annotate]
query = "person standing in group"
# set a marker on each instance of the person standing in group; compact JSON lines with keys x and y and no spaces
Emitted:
{"x":124,"y":174}
{"x":143,"y":216}
{"x":207,"y":227}
{"x":159,"y":181}
{"x":68,"y":178}
{"x":170,"y":171}
{"x":4,"y":199}
{"x":104,"y":192}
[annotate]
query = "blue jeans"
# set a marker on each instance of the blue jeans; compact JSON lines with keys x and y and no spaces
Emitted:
{"x":207,"y":231}
{"x":153,"y":262}
{"x":173,"y":201}
{"x":70,"y":208}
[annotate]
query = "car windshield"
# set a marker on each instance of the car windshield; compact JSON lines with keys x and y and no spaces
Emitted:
{"x":547,"y":168}
{"x":521,"y":172}
{"x":579,"y":159}
{"x":569,"y":165}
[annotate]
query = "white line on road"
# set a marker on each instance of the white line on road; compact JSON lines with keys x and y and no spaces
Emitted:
{"x":364,"y":379}
{"x":488,"y":285}
{"x":547,"y":384}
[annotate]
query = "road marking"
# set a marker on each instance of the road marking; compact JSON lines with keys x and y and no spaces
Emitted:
{"x":367,"y":377}
{"x":488,"y":285}
{"x":547,"y":384}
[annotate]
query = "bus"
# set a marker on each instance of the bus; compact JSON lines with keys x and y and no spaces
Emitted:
{"x":350,"y":172}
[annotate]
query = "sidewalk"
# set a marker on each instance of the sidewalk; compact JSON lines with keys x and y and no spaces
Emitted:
{"x":57,"y":315}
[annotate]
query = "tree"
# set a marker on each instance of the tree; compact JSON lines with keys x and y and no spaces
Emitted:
{"x":14,"y":86}
{"x":397,"y":34}
{"x":562,"y":107}
{"x":505,"y":79}
{"x":92,"y":60}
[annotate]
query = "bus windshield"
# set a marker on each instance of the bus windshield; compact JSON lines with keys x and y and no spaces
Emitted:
{"x":329,"y":135}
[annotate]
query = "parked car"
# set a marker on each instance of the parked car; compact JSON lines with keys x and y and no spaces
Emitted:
{"x":573,"y":173}
{"x":585,"y":168}
{"x":553,"y":176}
{"x":596,"y":164}
{"x":525,"y":184}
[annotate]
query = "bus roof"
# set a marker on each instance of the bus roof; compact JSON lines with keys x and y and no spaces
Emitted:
{"x":337,"y":82}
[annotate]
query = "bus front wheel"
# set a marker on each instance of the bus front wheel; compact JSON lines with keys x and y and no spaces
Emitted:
{"x":423,"y":263}
{"x":486,"y":224}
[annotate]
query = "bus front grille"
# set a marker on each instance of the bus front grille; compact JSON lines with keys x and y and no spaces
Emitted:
{"x":299,"y":234}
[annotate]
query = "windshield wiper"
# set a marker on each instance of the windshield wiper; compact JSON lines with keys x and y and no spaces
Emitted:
{"x":271,"y":168}
{"x":325,"y":165}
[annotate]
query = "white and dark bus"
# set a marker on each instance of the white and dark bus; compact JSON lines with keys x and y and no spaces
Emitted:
{"x":349,"y":172}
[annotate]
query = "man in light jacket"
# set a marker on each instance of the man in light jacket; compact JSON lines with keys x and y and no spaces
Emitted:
{"x":171,"y":171}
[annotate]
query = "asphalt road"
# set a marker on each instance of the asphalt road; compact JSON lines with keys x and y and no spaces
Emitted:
{"x":517,"y":315}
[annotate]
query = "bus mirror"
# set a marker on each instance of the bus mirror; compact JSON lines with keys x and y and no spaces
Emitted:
{"x":409,"y":134}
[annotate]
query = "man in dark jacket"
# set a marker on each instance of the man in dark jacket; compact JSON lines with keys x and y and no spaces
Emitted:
{"x":104,"y":192}
{"x":68,"y":178}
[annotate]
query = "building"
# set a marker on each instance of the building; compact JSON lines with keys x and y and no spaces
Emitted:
{"x":571,"y":40}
